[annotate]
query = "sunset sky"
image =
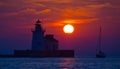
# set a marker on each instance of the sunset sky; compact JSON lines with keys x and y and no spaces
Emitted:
{"x":17,"y":19}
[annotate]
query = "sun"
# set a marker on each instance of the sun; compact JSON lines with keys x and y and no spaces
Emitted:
{"x":68,"y":28}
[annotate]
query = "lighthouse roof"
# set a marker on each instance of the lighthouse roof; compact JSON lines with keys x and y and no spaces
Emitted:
{"x":38,"y":21}
{"x":50,"y":37}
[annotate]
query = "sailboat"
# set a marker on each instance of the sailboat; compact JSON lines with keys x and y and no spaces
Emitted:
{"x":100,"y":53}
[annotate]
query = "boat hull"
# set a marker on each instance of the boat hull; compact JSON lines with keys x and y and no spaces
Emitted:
{"x":100,"y":56}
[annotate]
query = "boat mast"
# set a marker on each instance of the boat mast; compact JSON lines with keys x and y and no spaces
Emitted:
{"x":99,"y":40}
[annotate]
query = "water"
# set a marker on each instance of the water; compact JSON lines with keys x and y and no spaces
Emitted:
{"x":59,"y":63}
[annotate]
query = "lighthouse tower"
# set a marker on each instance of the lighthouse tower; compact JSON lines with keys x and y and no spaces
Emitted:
{"x":38,"y":37}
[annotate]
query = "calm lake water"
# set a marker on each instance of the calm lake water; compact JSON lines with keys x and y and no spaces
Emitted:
{"x":59,"y":63}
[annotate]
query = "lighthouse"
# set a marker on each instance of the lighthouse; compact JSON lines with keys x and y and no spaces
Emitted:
{"x":42,"y":45}
{"x":38,"y":37}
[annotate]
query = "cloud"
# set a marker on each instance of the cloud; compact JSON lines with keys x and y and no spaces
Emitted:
{"x":61,"y":23}
{"x":77,"y":12}
{"x":2,"y":4}
{"x":51,"y":1}
{"x":34,"y":11}
{"x":56,"y":10}
{"x":45,"y":11}
{"x":27,"y":11}
{"x":97,"y":6}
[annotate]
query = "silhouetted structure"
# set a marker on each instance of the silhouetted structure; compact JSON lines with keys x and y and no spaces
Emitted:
{"x":50,"y":43}
{"x":38,"y":37}
{"x":100,"y":54}
{"x":41,"y":43}
{"x":47,"y":53}
{"x":42,"y":46}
